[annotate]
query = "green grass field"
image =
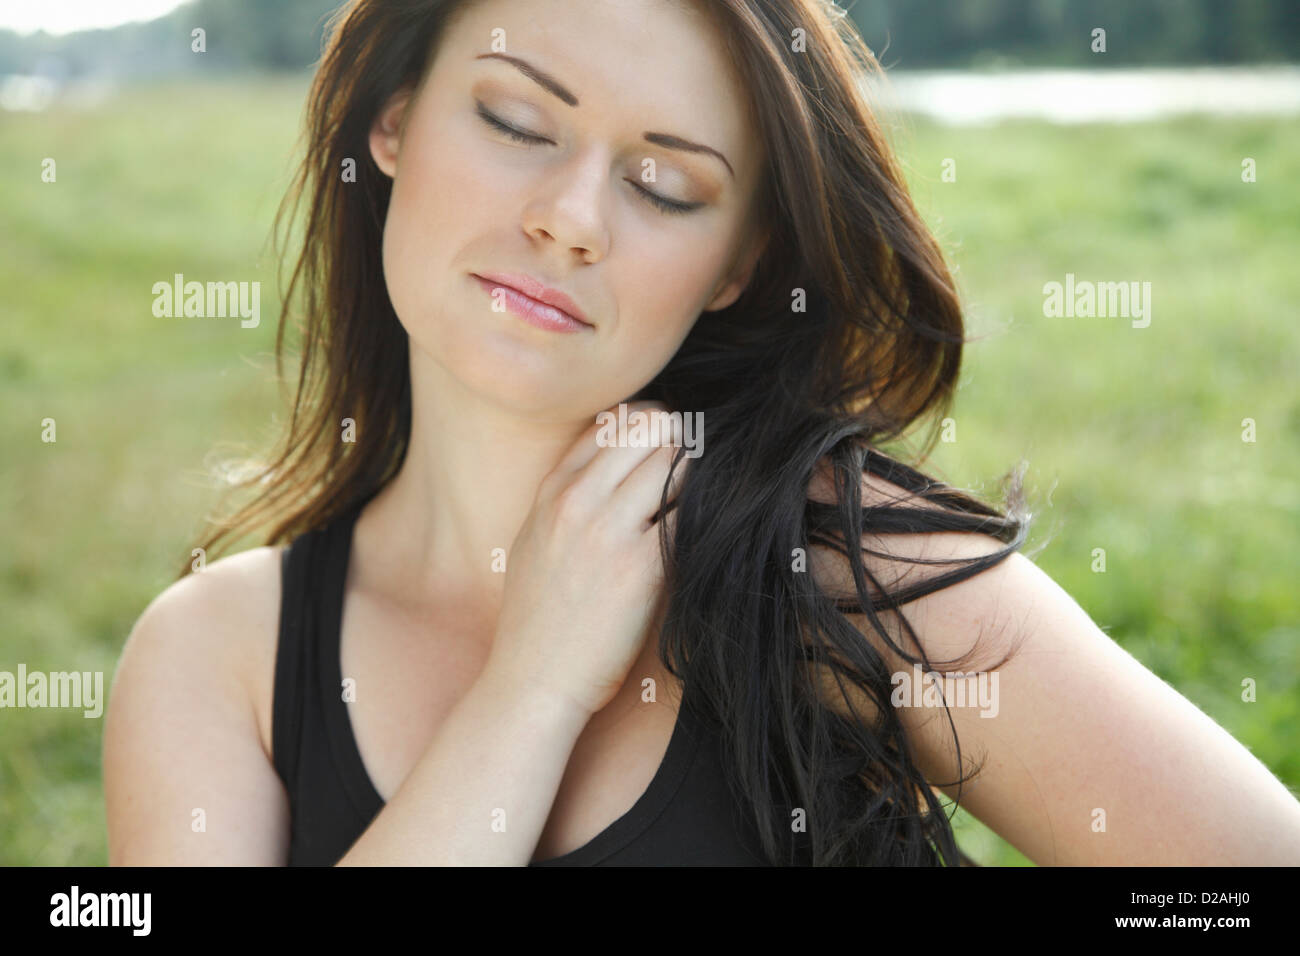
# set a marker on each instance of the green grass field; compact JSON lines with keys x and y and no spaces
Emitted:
{"x":1133,"y":436}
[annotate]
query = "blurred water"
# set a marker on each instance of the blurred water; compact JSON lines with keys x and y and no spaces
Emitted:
{"x":955,"y":97}
{"x":1086,"y":96}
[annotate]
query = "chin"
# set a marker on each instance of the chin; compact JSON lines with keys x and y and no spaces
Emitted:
{"x":501,"y":369}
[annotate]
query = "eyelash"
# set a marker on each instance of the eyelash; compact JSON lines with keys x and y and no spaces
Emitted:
{"x":663,"y":205}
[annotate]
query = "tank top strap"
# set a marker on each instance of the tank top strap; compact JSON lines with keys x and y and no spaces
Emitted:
{"x":290,"y":661}
{"x":312,"y":569}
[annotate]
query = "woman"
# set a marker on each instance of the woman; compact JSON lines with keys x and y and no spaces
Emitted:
{"x":523,"y":213}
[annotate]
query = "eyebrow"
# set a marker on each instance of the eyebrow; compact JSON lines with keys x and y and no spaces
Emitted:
{"x":553,"y":86}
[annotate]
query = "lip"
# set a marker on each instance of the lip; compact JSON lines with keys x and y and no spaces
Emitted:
{"x":536,"y":302}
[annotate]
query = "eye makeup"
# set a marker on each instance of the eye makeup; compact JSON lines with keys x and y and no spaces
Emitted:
{"x":667,"y":206}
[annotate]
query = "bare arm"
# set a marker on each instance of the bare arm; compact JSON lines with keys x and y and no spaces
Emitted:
{"x":1091,"y":758}
{"x":482,"y":791}
{"x":186,"y":781}
{"x":1088,"y":757}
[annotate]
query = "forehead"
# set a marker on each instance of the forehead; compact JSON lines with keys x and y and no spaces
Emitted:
{"x":654,"y":64}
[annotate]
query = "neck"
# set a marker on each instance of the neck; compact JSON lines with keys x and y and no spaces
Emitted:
{"x":464,"y":489}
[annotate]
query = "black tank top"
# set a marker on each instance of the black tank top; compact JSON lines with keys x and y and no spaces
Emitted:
{"x":687,"y":815}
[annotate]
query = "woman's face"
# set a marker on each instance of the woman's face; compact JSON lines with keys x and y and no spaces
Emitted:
{"x":577,"y":210}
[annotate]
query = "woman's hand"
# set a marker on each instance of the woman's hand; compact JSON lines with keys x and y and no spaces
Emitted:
{"x":584,"y":574}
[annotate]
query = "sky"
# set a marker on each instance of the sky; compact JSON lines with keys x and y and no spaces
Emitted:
{"x":67,"y":16}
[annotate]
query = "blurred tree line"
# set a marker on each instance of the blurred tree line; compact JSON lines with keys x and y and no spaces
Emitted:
{"x":286,"y":35}
{"x":966,"y":33}
{"x":239,"y":35}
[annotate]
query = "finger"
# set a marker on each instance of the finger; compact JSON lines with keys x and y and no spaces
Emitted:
{"x":586,"y":446}
{"x":612,"y":464}
{"x":639,"y":494}
{"x":668,"y":526}
{"x":675,"y":480}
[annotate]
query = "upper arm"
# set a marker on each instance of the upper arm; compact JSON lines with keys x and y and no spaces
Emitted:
{"x":186,"y":778}
{"x":1087,"y":757}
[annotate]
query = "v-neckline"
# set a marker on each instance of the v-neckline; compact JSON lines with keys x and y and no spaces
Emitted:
{"x":677,"y":759}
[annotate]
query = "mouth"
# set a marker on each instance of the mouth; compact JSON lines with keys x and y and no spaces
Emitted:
{"x":534,"y":302}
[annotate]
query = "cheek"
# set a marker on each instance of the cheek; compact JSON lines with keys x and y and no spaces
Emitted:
{"x":433,"y":197}
{"x":671,"y":282}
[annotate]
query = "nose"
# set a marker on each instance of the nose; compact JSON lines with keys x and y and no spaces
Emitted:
{"x":567,"y":211}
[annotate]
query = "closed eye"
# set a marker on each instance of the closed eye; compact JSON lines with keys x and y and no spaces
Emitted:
{"x":519,"y":136}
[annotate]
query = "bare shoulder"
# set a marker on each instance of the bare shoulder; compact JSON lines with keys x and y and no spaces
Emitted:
{"x":185,"y":737}
{"x":976,"y":622}
{"x":228,"y":617}
{"x":1084,"y":756}
{"x":893,"y":558}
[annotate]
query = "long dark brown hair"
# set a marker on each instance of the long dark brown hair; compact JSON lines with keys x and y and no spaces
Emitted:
{"x":849,"y":336}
